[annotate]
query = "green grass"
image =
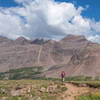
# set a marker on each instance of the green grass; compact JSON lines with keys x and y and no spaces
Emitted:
{"x":35,"y":86}
{"x":78,"y":78}
{"x":17,"y":98}
{"x":63,"y":89}
{"x":22,"y":73}
{"x":89,"y":97}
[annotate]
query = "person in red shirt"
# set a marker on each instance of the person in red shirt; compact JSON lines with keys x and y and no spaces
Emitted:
{"x":63,"y":76}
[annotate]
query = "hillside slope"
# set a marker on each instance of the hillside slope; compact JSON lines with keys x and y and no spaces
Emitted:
{"x":73,"y":54}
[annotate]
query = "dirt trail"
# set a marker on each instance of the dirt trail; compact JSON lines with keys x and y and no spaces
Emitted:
{"x":73,"y":91}
{"x":39,"y":54}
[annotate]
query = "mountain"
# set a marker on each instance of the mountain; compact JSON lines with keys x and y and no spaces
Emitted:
{"x":73,"y":54}
{"x":22,"y":41}
{"x":4,"y":39}
{"x":40,"y":41}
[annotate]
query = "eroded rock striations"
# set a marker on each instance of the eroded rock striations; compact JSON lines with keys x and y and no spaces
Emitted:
{"x":73,"y":54}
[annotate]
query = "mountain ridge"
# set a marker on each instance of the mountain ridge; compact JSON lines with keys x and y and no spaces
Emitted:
{"x":73,"y":54}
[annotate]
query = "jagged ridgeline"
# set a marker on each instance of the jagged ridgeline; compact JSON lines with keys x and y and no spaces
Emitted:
{"x":74,"y":54}
{"x":22,"y":73}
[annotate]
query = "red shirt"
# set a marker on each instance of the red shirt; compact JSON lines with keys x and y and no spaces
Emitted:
{"x":63,"y":74}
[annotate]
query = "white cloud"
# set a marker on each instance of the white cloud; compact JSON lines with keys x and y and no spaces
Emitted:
{"x":95,"y":38}
{"x":95,"y":26}
{"x":10,"y":25}
{"x":45,"y":18}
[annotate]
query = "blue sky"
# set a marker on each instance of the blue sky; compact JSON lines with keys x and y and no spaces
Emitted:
{"x":50,"y":19}
{"x":8,"y":3}
{"x":93,"y":10}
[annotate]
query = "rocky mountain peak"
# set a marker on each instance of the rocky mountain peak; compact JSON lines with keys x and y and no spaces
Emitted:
{"x":4,"y":39}
{"x":22,"y":41}
{"x":71,"y":38}
{"x":73,"y":54}
{"x":40,"y":41}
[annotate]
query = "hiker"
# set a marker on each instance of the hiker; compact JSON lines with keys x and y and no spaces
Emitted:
{"x":63,"y":76}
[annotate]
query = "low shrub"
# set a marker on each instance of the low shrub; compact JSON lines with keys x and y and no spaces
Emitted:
{"x":89,"y":97}
{"x":63,"y":89}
